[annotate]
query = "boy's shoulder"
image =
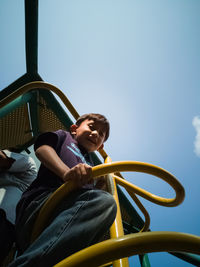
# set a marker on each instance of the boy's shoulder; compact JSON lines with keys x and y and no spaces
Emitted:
{"x":63,"y":134}
{"x":53,"y":139}
{"x":64,"y":137}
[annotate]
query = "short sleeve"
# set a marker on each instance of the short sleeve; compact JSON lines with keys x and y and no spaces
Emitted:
{"x":48,"y":138}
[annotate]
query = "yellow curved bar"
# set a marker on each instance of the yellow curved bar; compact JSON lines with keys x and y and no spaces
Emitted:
{"x":106,"y":168}
{"x":143,"y":210}
{"x":139,"y":204}
{"x":132,"y":244}
{"x":145,"y":168}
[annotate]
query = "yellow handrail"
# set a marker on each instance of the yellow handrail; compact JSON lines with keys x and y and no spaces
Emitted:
{"x":132,"y":244}
{"x":145,"y":168}
{"x":112,"y":167}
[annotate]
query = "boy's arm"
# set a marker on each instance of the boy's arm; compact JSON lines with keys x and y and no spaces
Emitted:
{"x":80,"y":173}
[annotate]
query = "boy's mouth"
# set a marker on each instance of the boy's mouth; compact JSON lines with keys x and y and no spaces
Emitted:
{"x":92,"y":141}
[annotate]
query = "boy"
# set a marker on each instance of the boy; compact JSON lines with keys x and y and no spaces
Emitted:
{"x":82,"y":218}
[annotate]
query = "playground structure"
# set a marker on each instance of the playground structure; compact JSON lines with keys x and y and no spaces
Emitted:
{"x":29,"y":107}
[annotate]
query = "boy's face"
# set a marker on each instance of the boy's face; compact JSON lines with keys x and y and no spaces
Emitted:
{"x":89,"y":134}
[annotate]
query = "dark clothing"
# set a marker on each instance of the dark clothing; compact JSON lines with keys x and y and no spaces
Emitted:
{"x":7,"y":233}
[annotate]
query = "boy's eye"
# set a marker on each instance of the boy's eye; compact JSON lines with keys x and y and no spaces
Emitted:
{"x":91,"y":127}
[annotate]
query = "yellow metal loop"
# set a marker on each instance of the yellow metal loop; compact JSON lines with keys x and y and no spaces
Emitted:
{"x":145,"y":168}
{"x":112,"y":167}
{"x":132,"y":244}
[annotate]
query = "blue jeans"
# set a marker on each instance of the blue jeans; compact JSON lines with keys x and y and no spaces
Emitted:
{"x":77,"y":223}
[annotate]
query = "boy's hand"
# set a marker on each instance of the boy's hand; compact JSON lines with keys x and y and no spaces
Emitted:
{"x":81,"y":174}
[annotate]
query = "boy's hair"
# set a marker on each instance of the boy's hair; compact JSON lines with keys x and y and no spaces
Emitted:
{"x":96,"y":117}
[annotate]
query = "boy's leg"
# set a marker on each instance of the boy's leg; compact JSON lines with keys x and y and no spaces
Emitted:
{"x":79,"y":223}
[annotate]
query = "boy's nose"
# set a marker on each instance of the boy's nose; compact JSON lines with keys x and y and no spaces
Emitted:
{"x":95,"y":133}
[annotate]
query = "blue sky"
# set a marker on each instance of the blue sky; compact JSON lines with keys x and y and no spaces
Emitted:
{"x":137,"y":62}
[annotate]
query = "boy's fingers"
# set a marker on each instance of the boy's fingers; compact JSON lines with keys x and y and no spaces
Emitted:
{"x":86,"y":173}
{"x":81,"y":173}
{"x":89,"y":173}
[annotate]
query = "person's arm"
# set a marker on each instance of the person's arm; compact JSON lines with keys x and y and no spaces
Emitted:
{"x":5,"y":162}
{"x":22,"y":166}
{"x":81,"y":173}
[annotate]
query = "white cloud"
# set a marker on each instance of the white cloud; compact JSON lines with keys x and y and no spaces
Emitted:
{"x":196,"y":124}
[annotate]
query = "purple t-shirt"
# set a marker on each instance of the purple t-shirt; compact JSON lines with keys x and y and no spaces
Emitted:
{"x":70,"y":152}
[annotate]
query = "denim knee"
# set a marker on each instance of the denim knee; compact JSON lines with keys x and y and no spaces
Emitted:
{"x":107,"y":202}
{"x":107,"y":199}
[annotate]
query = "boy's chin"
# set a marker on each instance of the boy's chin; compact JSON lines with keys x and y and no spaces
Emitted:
{"x":89,"y":149}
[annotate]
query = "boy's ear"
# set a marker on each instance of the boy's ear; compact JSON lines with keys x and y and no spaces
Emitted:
{"x":73,"y":128}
